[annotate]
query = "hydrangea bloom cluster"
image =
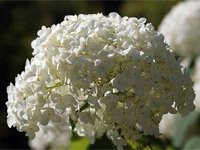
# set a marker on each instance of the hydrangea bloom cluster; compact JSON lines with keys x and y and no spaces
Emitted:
{"x":196,"y":79}
{"x":52,"y":135}
{"x":181,"y":28}
{"x":167,"y":126}
{"x":96,"y":75}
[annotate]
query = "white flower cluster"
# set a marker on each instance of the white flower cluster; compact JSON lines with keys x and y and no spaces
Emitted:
{"x":95,"y":74}
{"x":181,"y":28}
{"x":54,"y":136}
{"x":167,"y":126}
{"x":196,"y":79}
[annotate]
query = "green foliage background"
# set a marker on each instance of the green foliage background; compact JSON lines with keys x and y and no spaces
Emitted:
{"x":19,"y":24}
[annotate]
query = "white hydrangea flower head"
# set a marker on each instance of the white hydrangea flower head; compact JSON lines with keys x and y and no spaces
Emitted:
{"x":54,"y":136}
{"x":181,"y":28}
{"x":97,"y":74}
{"x":168,"y":122}
{"x":196,"y":79}
{"x":167,"y":125}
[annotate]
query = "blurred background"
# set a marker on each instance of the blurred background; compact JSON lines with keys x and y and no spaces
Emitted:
{"x":19,"y":24}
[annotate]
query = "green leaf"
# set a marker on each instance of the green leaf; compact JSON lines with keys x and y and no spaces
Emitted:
{"x":79,"y":144}
{"x":193,"y":143}
{"x":184,"y":126}
{"x":133,"y":145}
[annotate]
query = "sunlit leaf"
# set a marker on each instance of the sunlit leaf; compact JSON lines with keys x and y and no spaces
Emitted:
{"x":79,"y":144}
